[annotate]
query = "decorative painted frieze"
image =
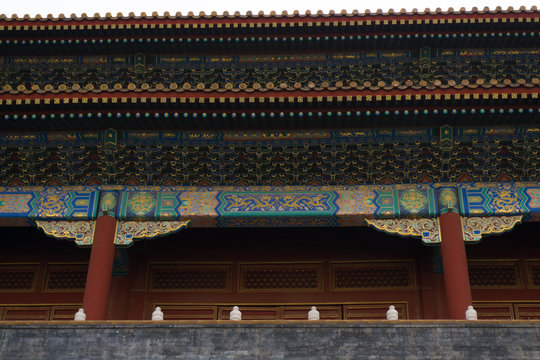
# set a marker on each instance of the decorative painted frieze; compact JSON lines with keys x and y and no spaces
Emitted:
{"x":499,"y":199}
{"x":49,"y":203}
{"x":270,"y":206}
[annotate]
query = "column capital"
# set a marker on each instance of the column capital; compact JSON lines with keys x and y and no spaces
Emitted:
{"x":447,"y":199}
{"x":108,"y":203}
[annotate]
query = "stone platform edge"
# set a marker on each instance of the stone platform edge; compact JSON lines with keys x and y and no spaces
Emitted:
{"x":271,"y":323}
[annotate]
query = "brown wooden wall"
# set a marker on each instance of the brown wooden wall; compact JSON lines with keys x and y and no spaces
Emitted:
{"x":348,"y":273}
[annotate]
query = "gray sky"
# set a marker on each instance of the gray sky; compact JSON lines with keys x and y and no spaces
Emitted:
{"x":67,"y":7}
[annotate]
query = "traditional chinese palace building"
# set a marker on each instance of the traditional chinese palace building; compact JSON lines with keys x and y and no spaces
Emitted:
{"x":268,"y":161}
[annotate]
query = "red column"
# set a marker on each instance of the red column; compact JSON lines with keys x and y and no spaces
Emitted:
{"x":98,"y":280}
{"x":456,"y":273}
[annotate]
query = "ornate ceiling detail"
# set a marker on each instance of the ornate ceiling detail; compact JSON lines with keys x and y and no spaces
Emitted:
{"x":364,"y":162}
{"x":475,"y":227}
{"x":80,"y":231}
{"x":427,"y":229}
{"x":127,"y":231}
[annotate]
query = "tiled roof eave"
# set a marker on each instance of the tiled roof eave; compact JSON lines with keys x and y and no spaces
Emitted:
{"x":380,"y":87}
{"x":295,"y":17}
{"x":279,"y":96}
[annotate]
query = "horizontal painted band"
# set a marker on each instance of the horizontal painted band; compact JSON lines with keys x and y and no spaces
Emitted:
{"x":266,"y":206}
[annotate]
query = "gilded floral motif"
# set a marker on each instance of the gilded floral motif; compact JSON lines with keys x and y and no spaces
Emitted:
{"x":141,"y":203}
{"x":413,"y":201}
